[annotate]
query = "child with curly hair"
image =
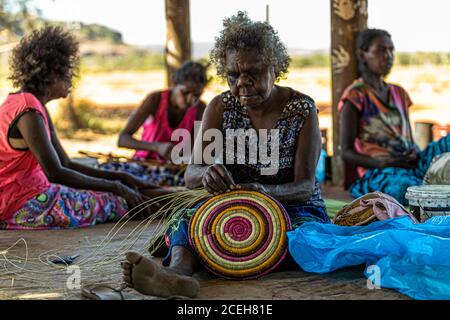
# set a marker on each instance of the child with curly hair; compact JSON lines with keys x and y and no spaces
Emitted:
{"x":40,"y":187}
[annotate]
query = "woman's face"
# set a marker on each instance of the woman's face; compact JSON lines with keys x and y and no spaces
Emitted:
{"x":61,"y":87}
{"x":379,"y":58}
{"x":249,"y":79}
{"x":187,"y":94}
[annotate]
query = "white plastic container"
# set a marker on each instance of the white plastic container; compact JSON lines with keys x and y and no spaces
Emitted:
{"x":429,"y":201}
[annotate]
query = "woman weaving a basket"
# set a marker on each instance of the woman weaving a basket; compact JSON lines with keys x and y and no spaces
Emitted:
{"x":160,"y":115}
{"x":251,"y":57}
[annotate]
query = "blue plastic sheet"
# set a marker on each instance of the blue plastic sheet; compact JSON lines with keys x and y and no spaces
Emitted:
{"x":321,"y":169}
{"x":412,"y":258}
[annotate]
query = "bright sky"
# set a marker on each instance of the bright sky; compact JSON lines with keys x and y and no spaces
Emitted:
{"x":415,"y":25}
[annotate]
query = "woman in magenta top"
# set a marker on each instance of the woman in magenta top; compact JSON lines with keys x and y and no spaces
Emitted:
{"x":40,"y":187}
{"x":160,"y":114}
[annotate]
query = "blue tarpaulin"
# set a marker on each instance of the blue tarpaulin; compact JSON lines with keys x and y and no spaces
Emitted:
{"x":411,"y":258}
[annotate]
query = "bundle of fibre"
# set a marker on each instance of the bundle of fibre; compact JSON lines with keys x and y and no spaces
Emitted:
{"x":240,"y":235}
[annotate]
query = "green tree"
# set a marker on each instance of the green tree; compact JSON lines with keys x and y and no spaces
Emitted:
{"x":16,"y":17}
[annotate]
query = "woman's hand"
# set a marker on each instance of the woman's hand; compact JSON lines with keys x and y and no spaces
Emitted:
{"x":413,"y":155}
{"x":250,"y":186}
{"x":133,"y":198}
{"x":164,"y":149}
{"x":405,"y":163}
{"x":217,"y":179}
{"x":136,"y":183}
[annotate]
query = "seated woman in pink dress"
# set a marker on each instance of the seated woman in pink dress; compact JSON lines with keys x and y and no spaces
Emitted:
{"x":40,"y":187}
{"x":160,"y":114}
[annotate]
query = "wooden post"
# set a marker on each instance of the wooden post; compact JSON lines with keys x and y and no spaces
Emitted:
{"x":348,"y":17}
{"x":178,"y":40}
{"x":423,"y":134}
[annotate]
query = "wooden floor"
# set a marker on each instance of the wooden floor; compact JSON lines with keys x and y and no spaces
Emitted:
{"x":335,"y":193}
{"x":25,"y":275}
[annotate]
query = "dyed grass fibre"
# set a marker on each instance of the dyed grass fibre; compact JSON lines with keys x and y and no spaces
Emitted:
{"x":25,"y":266}
{"x":334,"y":206}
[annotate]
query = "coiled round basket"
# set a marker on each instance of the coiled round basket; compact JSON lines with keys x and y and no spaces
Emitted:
{"x":240,"y":235}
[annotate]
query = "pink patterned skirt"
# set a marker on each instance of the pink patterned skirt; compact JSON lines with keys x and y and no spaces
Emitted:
{"x":61,"y":207}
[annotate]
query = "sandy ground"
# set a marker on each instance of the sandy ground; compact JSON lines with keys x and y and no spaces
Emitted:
{"x":428,"y":86}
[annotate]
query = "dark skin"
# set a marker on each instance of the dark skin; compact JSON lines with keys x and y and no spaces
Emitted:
{"x":30,"y":133}
{"x":254,"y":84}
{"x":379,"y":59}
{"x":182,"y":96}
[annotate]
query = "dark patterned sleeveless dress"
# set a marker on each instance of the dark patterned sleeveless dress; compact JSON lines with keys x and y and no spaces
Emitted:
{"x":289,"y":124}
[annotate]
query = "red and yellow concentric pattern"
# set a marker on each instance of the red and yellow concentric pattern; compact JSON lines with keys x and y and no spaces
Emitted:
{"x":241,"y":234}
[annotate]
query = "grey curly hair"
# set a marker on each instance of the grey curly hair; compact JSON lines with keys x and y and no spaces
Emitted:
{"x":240,"y":32}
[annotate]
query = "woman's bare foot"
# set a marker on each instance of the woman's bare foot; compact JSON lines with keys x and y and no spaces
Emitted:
{"x":149,"y":278}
